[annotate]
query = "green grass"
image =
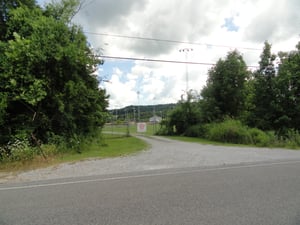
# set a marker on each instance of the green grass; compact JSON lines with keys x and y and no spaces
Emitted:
{"x":208,"y":142}
{"x":121,"y":128}
{"x":109,"y":146}
{"x":205,"y":141}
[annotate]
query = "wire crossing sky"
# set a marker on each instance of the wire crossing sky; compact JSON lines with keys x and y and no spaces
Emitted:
{"x":140,"y":41}
{"x":172,"y":41}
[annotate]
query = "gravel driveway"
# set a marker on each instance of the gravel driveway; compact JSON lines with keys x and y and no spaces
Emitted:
{"x":163,"y":154}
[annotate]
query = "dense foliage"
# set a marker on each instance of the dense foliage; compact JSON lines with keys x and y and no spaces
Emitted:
{"x":6,"y":6}
{"x":224,"y":93}
{"x":46,"y":65}
{"x":242,"y":106}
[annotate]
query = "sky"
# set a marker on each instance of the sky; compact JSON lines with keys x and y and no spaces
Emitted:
{"x":179,"y":31}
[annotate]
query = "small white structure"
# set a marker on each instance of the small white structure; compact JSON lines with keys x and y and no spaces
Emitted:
{"x":155,"y":119}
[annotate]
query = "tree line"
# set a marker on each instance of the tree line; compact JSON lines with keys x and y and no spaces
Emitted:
{"x":266,"y":99}
{"x":49,"y":95}
{"x":138,"y":113}
{"x":48,"y":92}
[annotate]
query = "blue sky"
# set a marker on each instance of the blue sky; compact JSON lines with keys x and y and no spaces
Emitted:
{"x":210,"y":27}
{"x":230,"y":25}
{"x":108,"y":69}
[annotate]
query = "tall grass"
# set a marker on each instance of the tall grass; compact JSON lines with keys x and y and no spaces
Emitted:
{"x":233,"y":131}
{"x":96,"y":146}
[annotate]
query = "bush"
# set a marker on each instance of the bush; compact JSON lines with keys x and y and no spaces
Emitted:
{"x":195,"y":131}
{"x":59,"y":141}
{"x":233,"y":131}
{"x":229,"y":131}
{"x":4,"y":153}
{"x":260,"y":138}
{"x":293,"y":139}
{"x":17,"y":150}
{"x":165,"y":128}
{"x":50,"y":149}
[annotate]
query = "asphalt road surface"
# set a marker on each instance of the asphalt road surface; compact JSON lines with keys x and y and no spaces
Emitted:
{"x":249,"y":194}
{"x":252,"y":186}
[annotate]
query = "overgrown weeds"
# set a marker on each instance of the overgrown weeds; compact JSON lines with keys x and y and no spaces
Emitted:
{"x":235,"y":132}
{"x":21,"y":155}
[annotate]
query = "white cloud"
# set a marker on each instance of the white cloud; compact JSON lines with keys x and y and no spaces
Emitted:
{"x":122,"y":93}
{"x":274,"y":21}
{"x":195,"y":21}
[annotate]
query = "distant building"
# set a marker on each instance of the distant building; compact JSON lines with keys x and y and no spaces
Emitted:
{"x":155,"y":119}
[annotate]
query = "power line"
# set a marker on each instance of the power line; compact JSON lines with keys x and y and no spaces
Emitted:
{"x":154,"y":60}
{"x":161,"y":60}
{"x":170,"y":41}
{"x":84,"y":4}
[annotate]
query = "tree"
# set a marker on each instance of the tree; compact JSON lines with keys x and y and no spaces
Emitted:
{"x":184,"y":115}
{"x":224,"y":93}
{"x":288,"y":95}
{"x":5,"y":7}
{"x":263,"y":114}
{"x":63,"y":10}
{"x":46,"y":78}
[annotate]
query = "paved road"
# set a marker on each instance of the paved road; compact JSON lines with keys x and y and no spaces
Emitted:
{"x":164,"y":154}
{"x":171,"y":183}
{"x":261,"y":193}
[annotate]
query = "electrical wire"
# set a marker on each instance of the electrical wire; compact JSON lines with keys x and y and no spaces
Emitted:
{"x":160,"y":60}
{"x":170,"y":41}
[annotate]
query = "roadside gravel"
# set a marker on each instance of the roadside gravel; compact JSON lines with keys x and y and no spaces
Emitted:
{"x":163,"y":154}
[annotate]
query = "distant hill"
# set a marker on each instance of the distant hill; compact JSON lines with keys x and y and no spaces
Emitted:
{"x":141,"y":113}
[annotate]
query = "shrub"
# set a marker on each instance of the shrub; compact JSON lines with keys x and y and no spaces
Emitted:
{"x":50,"y":149}
{"x":165,"y":128}
{"x":230,"y":131}
{"x":195,"y":131}
{"x":4,"y":153}
{"x":260,"y":138}
{"x":293,"y":139}
{"x":59,"y":141}
{"x":18,"y":150}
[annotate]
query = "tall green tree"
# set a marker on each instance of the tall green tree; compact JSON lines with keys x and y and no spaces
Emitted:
{"x":288,"y":95}
{"x":264,"y":113}
{"x":5,"y":7}
{"x":63,"y":10}
{"x":46,"y":78}
{"x":224,"y":93}
{"x":185,"y":115}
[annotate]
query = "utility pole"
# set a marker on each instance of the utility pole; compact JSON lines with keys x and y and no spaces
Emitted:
{"x":138,"y":95}
{"x":186,"y":51}
{"x":134,"y":114}
{"x":154,"y":113}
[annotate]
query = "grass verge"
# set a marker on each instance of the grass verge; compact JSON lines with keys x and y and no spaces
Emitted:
{"x":204,"y":141}
{"x":109,"y":146}
{"x":208,"y":142}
